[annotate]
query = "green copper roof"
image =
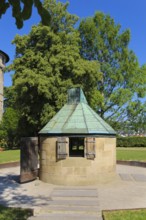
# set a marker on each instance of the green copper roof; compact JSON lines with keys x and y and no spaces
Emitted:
{"x":76,"y":117}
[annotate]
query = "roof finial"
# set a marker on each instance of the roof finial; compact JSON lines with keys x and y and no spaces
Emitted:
{"x":75,"y":96}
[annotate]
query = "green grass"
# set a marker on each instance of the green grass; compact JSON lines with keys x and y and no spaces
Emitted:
{"x":139,"y":214}
{"x":9,"y":156}
{"x":14,"y":213}
{"x":135,"y":154}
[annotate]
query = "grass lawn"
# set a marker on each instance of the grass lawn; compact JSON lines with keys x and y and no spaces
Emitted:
{"x":139,"y":214}
{"x":14,"y":213}
{"x":136,"y":154}
{"x":9,"y":156}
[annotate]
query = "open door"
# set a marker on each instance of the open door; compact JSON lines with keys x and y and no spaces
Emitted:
{"x":28,"y":159}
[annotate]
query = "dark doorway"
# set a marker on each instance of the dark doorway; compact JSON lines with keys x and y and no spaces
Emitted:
{"x":76,"y":147}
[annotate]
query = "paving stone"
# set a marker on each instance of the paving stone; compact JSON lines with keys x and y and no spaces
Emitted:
{"x":74,"y":193}
{"x":65,"y":217}
{"x":68,"y":209}
{"x":139,"y":177}
{"x":125,"y":177}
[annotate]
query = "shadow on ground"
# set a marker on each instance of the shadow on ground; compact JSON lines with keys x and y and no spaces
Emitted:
{"x":13,"y":194}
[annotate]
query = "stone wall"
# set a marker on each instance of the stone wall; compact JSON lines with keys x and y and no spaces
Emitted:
{"x":1,"y":88}
{"x":78,"y":170}
{"x":3,"y":59}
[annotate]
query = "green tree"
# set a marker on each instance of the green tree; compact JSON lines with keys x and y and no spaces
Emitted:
{"x":123,"y":81}
{"x":9,"y":128}
{"x":137,"y":117}
{"x":47,"y":63}
{"x":22,"y":10}
{"x":9,"y":98}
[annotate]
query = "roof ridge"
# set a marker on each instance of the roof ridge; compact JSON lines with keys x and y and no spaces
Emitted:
{"x":84,"y":115}
{"x":95,"y":115}
{"x":69,"y":116}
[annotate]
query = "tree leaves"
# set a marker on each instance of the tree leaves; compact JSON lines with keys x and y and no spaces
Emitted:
{"x":122,"y":78}
{"x":27,"y":9}
{"x":22,"y":10}
{"x":3,"y":7}
{"x":47,"y":64}
{"x":45,"y":16}
{"x":16,"y":12}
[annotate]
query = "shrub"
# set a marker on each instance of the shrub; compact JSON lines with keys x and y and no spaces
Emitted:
{"x":14,"y":213}
{"x":3,"y":144}
{"x":9,"y":129}
{"x":131,"y":142}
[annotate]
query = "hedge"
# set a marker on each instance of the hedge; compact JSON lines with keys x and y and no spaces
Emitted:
{"x":131,"y":141}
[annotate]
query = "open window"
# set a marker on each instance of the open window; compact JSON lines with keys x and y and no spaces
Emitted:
{"x":61,"y":148}
{"x":76,"y":147}
{"x":90,"y":148}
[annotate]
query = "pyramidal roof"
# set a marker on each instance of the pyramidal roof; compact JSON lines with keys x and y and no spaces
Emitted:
{"x":77,"y":117}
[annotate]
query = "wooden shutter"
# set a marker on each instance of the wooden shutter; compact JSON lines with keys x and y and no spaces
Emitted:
{"x":61,"y":148}
{"x":90,"y":148}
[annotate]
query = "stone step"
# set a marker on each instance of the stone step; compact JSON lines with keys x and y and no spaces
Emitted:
{"x":90,"y":193}
{"x":54,"y":216}
{"x":74,"y":202}
{"x":70,"y":204}
{"x":75,"y":188}
{"x":92,"y":210}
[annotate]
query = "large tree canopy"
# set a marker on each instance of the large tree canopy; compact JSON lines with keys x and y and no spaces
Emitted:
{"x":22,"y":10}
{"x":123,"y":81}
{"x":96,"y":57}
{"x":47,"y":63}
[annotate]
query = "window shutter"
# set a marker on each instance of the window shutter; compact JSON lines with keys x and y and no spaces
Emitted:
{"x":61,"y":148}
{"x":90,"y":148}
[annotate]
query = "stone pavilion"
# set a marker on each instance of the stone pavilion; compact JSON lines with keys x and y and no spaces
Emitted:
{"x":77,"y":147}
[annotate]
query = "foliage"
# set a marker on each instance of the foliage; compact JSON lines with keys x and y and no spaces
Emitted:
{"x":137,"y":214}
{"x":136,"y":122}
{"x":9,"y":156}
{"x":61,"y":20}
{"x":51,"y":59}
{"x":8,"y":129}
{"x":131,"y":154}
{"x":22,"y":10}
{"x":14,"y":213}
{"x":9,"y":98}
{"x":123,"y":81}
{"x":131,"y":142}
{"x":3,"y":143}
{"x":48,"y":63}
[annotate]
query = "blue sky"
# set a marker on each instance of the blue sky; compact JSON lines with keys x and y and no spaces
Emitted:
{"x":130,"y":14}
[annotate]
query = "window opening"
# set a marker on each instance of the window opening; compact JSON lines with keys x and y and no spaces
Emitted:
{"x":76,"y":147}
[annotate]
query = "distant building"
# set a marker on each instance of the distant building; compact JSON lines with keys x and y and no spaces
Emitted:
{"x":4,"y":58}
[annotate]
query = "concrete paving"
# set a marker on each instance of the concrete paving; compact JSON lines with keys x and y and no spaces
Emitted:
{"x":127,"y":190}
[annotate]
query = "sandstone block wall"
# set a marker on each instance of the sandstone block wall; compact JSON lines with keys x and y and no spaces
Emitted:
{"x":77,"y":170}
